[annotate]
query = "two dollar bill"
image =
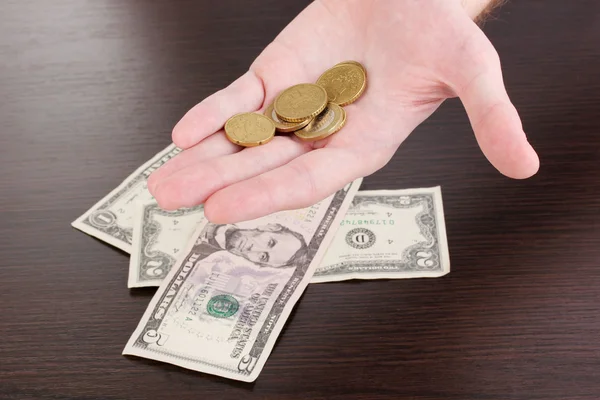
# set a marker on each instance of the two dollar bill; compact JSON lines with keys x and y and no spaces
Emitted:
{"x":225,"y":291}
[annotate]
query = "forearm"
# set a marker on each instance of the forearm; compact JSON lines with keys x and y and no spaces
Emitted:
{"x":478,"y":10}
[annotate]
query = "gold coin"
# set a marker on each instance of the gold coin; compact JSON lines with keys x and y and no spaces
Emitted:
{"x":300,"y":102}
{"x":344,"y":83}
{"x":249,"y":129}
{"x":353,"y":63}
{"x":331,"y":120}
{"x":283,"y":126}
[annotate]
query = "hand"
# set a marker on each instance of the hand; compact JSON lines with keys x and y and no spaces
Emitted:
{"x":417,"y":54}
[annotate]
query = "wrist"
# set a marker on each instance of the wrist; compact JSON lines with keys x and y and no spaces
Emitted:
{"x":478,"y":9}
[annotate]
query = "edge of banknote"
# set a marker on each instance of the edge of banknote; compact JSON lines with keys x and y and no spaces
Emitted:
{"x":139,"y":243}
{"x":84,"y":224}
{"x":132,"y":350}
{"x":133,"y":280}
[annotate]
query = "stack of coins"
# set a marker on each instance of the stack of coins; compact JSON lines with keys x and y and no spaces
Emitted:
{"x":312,"y":111}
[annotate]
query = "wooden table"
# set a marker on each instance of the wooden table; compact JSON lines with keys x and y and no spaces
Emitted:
{"x":89,"y":90}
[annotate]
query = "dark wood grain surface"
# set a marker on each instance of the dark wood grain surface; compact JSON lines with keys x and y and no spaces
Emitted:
{"x":89,"y":90}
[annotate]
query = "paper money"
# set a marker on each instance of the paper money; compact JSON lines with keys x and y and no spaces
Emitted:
{"x":384,"y":234}
{"x":111,"y":219}
{"x":389,"y":234}
{"x":223,"y":304}
{"x":159,"y":237}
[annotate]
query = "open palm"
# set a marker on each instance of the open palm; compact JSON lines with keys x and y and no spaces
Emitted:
{"x":416,"y":53}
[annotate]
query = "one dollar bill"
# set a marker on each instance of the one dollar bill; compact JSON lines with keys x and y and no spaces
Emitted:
{"x":223,"y":304}
{"x":111,"y":219}
{"x":159,"y":237}
{"x":394,"y":234}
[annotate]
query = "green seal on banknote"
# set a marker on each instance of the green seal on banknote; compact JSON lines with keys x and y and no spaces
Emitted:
{"x":222,"y":306}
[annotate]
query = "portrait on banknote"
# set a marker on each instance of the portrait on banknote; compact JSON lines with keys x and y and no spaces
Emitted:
{"x":270,"y":245}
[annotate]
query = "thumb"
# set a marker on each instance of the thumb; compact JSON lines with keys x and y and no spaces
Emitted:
{"x":494,"y":119}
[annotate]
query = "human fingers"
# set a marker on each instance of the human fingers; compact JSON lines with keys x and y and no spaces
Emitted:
{"x":494,"y":119}
{"x":300,"y":183}
{"x":213,"y":146}
{"x":243,"y":95}
{"x":191,"y":185}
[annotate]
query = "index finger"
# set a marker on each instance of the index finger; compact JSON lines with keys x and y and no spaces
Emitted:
{"x":245,"y":94}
